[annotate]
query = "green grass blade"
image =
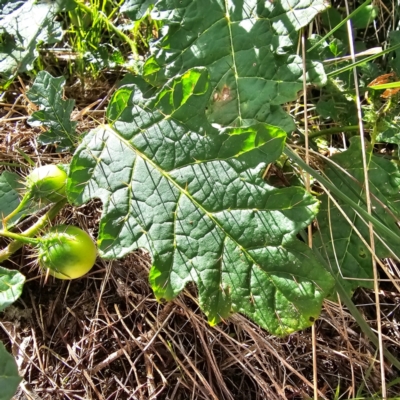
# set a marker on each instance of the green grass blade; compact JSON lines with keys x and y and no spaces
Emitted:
{"x":291,"y":154}
{"x":338,"y":26}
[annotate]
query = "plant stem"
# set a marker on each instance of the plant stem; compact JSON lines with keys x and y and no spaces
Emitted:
{"x":19,"y":237}
{"x":33,"y":230}
{"x":20,"y":207}
{"x":111,"y":27}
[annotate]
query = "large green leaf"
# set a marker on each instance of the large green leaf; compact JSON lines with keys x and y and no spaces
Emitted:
{"x":54,"y":112}
{"x":193,"y":196}
{"x":9,"y":378}
{"x":336,"y":238}
{"x":24,"y":24}
{"x":249,"y":48}
{"x":11,"y":284}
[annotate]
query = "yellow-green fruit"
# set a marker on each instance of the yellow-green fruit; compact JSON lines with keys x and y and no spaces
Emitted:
{"x":67,"y":252}
{"x":47,"y":182}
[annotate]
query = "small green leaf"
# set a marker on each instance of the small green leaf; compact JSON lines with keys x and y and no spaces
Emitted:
{"x":9,"y":377}
{"x":336,"y":239}
{"x":193,"y":195}
{"x":54,"y":112}
{"x":335,"y":105}
{"x":328,"y":109}
{"x":389,"y":129}
{"x":11,"y":284}
{"x":330,"y":18}
{"x":365,"y":16}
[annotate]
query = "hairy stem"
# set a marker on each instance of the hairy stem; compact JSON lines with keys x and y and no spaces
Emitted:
{"x":20,"y":207}
{"x":19,"y":237}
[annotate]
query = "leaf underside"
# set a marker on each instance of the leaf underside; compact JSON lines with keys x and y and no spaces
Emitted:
{"x":337,"y":240}
{"x":249,"y":49}
{"x":193,"y":196}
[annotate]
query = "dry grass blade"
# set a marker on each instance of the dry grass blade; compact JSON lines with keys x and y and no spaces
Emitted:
{"x":369,"y":208}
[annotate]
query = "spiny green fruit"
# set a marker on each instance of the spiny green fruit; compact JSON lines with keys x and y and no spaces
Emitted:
{"x":47,"y":182}
{"x":67,"y":252}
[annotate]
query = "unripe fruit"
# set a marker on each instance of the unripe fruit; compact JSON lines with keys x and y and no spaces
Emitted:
{"x":44,"y":184}
{"x":67,"y":252}
{"x":47,"y":182}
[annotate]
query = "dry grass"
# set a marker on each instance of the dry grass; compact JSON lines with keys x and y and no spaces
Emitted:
{"x":106,"y":337}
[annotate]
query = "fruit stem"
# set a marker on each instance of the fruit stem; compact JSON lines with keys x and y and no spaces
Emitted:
{"x":19,"y":237}
{"x":32,"y":231}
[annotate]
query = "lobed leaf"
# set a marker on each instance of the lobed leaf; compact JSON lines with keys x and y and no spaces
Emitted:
{"x":9,"y":377}
{"x":54,"y":112}
{"x":249,"y":49}
{"x":337,"y":239}
{"x":193,"y":196}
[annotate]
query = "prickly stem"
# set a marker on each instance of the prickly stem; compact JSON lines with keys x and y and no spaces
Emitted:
{"x":32,"y":231}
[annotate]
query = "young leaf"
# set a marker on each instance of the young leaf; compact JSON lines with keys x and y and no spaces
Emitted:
{"x":9,"y":378}
{"x":193,"y":196}
{"x":249,"y":49}
{"x":11,"y":284}
{"x":336,"y":238}
{"x":54,"y":112}
{"x":23,"y":24}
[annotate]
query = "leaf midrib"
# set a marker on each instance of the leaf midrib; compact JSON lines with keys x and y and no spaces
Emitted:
{"x":197,"y":204}
{"x":228,"y":17}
